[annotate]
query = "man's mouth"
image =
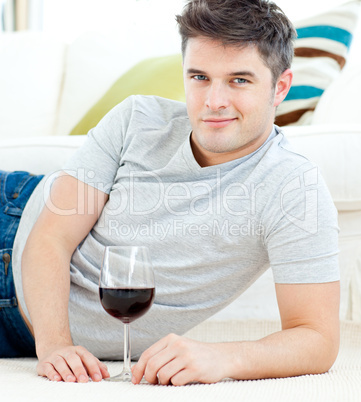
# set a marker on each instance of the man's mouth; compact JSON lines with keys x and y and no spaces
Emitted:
{"x":218,"y":122}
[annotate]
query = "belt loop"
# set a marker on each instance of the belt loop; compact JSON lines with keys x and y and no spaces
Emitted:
{"x":6,"y":259}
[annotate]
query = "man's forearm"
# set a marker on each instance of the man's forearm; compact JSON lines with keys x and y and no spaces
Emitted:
{"x":178,"y":360}
{"x":290,"y":352}
{"x":46,"y":283}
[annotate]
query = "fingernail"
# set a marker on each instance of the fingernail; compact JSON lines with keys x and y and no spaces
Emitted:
{"x":97,"y":377}
{"x":82,"y":378}
{"x":70,"y":378}
{"x":56,"y":378}
{"x":134,"y":381}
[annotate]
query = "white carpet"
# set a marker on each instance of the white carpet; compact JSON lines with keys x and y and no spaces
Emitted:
{"x":19,"y":382}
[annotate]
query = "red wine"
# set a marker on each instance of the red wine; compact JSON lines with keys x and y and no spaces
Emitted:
{"x":126,"y":304}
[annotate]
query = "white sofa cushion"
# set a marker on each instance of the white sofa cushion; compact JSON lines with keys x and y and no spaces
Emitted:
{"x":336,"y":149}
{"x":31,"y":73}
{"x":38,"y":155}
{"x":340,"y":104}
{"x":92,"y":64}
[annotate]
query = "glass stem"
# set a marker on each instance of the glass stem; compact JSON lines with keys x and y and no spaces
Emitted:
{"x":126,"y":366}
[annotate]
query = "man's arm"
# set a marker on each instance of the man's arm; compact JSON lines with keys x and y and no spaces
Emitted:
{"x":307,"y":344}
{"x":71,"y":211}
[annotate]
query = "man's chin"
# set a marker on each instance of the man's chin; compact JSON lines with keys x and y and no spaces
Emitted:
{"x":217,"y":143}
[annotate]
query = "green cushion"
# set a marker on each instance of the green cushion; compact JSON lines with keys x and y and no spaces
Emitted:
{"x":160,"y":76}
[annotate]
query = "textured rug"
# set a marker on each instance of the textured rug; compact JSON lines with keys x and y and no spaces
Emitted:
{"x":19,"y":382}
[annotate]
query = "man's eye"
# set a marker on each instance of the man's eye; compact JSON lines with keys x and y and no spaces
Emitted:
{"x":199,"y":77}
{"x":240,"y":80}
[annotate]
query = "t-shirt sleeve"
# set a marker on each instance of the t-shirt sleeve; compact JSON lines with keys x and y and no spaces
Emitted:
{"x":96,"y":162}
{"x":301,"y":230}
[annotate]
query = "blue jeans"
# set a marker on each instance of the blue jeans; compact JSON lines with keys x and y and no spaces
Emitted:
{"x":15,"y":190}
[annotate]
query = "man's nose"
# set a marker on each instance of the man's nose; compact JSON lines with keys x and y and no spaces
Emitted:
{"x":217,"y":97}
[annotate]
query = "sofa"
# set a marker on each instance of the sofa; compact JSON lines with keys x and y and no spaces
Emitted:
{"x":48,"y":87}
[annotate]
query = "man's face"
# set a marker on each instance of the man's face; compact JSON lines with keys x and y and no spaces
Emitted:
{"x":230,"y":100}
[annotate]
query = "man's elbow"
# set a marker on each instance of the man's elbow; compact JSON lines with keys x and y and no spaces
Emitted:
{"x":326,"y":355}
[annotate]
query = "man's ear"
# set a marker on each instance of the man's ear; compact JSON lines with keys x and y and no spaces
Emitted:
{"x":283,"y":85}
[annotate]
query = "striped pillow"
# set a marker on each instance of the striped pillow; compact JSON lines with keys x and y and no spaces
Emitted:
{"x":320,"y":53}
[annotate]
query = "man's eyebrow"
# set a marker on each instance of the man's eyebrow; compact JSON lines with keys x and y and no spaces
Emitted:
{"x":231,"y":74}
{"x":243,"y":73}
{"x":195,"y":71}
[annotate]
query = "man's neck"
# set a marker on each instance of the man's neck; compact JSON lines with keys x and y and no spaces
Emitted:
{"x":205,"y":158}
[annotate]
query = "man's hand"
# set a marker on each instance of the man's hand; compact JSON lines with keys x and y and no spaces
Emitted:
{"x":177,"y":360}
{"x":71,"y":364}
{"x":307,"y":344}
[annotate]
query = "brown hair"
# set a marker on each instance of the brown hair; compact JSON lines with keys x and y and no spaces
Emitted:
{"x":240,"y":23}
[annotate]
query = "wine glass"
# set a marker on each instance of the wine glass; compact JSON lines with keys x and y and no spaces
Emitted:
{"x":126,"y":290}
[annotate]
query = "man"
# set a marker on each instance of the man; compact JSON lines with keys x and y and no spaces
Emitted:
{"x":213,"y":190}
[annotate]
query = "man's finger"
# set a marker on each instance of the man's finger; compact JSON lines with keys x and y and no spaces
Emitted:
{"x":96,"y":370}
{"x":104,"y":370}
{"x":138,"y":369}
{"x":61,"y":367}
{"x":183,"y":377}
{"x":76,"y":366}
{"x":153,"y":359}
{"x":166,"y":373}
{"x":47,"y":370}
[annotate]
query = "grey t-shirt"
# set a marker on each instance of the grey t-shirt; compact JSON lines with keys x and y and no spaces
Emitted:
{"x":211,"y":231}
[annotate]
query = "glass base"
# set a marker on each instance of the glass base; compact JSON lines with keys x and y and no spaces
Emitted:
{"x":124,"y":376}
